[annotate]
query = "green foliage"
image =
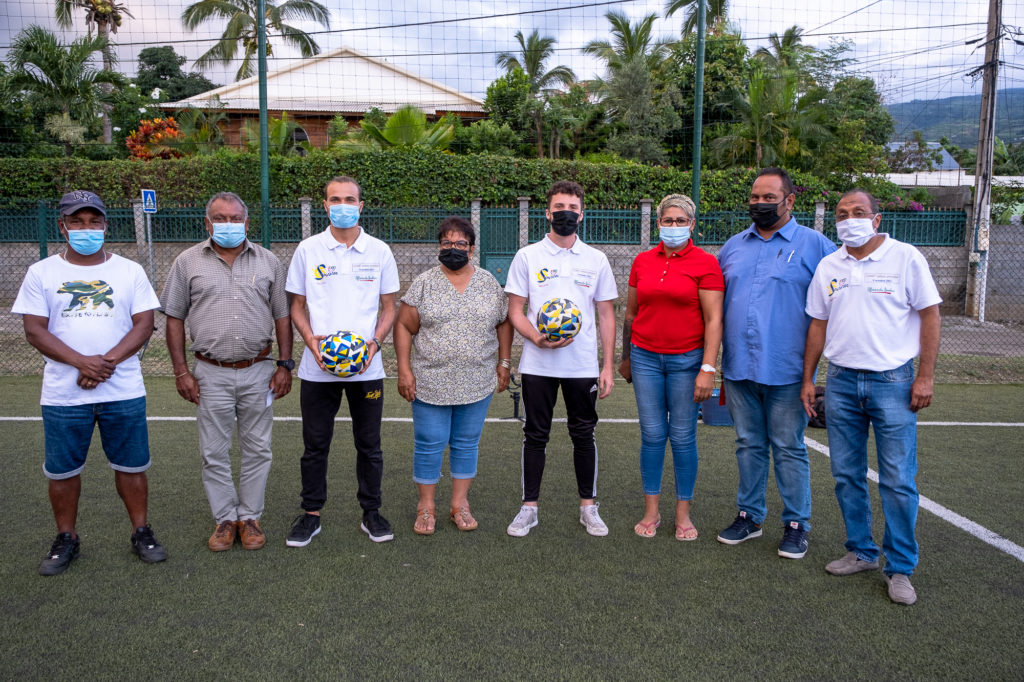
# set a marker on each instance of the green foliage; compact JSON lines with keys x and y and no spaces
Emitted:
{"x":281,"y":138}
{"x":160,"y":67}
{"x":914,"y":155}
{"x":407,"y":127}
{"x":486,"y":136}
{"x":716,"y":14}
{"x":643,"y":119}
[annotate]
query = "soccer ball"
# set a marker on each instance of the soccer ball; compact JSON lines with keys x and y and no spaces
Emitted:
{"x":559,"y":319}
{"x":344,"y":353}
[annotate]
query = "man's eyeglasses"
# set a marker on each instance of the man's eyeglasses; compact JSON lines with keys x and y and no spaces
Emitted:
{"x":461,"y":245}
{"x":681,"y":222}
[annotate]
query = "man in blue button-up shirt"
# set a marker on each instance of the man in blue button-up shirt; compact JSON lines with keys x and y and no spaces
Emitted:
{"x":767,"y":270}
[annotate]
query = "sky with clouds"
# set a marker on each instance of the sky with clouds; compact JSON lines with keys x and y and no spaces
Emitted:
{"x":914,"y":49}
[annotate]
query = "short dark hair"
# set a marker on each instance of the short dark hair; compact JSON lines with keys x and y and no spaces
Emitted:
{"x":344,"y":178}
{"x":459,"y":225}
{"x":787,"y":182}
{"x":875,"y":208}
{"x":565,"y":187}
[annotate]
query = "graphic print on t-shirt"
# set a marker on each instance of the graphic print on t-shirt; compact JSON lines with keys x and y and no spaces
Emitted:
{"x":95,"y":293}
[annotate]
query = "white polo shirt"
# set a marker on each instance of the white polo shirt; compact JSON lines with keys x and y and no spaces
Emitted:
{"x":342,"y":286}
{"x":581,"y":273}
{"x":871,"y":305}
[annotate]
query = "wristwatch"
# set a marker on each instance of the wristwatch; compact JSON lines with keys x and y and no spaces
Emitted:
{"x":288,"y":364}
{"x":377,"y":341}
{"x":710,"y":369}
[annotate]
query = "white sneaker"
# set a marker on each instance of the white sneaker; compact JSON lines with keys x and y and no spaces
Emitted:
{"x":592,"y":520}
{"x":523,"y":522}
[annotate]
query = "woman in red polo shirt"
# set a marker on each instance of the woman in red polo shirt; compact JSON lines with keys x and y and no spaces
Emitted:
{"x":670,"y":339}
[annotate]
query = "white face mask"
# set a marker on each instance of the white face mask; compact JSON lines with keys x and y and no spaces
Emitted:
{"x":854,"y":232}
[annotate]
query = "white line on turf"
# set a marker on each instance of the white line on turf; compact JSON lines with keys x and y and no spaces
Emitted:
{"x":963,"y":523}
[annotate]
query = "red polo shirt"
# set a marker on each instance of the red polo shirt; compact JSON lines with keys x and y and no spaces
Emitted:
{"x":669,"y":318}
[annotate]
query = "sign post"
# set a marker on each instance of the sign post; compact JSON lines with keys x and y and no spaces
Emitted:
{"x":149,"y":208}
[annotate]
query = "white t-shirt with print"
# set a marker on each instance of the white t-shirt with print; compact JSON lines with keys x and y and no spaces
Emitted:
{"x":872,"y":305}
{"x":582,"y":274}
{"x":342,"y":286}
{"x":89,"y":308}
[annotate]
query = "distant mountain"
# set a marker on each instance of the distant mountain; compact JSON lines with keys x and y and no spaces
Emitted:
{"x":957,"y":118}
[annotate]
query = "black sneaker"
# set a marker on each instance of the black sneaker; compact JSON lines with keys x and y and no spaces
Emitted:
{"x":794,"y":541}
{"x":741,"y":529}
{"x":303,"y":529}
{"x":63,"y":550}
{"x":147,"y":546}
{"x":376,"y":526}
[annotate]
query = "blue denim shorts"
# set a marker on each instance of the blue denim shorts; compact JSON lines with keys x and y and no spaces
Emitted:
{"x":123,"y":432}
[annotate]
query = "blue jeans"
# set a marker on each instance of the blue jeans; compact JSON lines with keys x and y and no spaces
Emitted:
{"x":123,"y":433}
{"x":456,"y":426}
{"x":663,"y":385}
{"x":764,"y":416}
{"x":853,"y":400}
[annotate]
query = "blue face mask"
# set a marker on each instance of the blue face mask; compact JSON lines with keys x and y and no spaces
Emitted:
{"x":86,"y":242}
{"x":228,"y":235}
{"x":343,"y":216}
{"x":674,"y":236}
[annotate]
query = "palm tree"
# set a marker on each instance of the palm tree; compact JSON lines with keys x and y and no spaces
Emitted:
{"x":716,"y":14}
{"x":784,"y":52}
{"x":532,"y":58}
{"x":281,"y":137}
{"x":106,"y":16}
{"x":61,"y":78}
{"x":407,"y":127}
{"x":629,"y":42}
{"x":241,"y":28}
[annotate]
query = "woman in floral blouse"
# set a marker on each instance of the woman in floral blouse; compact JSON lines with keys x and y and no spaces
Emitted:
{"x":453,"y":341}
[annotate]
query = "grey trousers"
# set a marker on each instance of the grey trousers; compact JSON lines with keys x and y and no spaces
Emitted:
{"x":227,"y":395}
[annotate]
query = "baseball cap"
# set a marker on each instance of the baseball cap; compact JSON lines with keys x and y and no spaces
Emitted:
{"x":79,"y":199}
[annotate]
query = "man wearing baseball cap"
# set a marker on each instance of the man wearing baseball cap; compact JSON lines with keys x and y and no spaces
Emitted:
{"x":88,"y":312}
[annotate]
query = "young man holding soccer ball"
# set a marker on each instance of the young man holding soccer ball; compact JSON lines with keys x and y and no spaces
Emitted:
{"x":337,"y":281}
{"x":561,"y":266}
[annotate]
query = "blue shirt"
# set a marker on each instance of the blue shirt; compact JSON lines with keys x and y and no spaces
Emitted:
{"x":766,"y":280}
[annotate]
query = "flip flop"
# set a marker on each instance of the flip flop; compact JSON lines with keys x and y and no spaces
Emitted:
{"x":462,"y":519}
{"x":425,"y":522}
{"x":647,"y":530}
{"x":681,"y":533}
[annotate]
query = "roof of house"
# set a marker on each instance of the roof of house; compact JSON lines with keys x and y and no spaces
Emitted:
{"x":946,"y":161}
{"x":339,"y":81}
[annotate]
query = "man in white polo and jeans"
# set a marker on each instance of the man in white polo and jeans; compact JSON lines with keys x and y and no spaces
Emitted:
{"x":875,"y":307}
{"x":561,"y":266}
{"x":337,"y":281}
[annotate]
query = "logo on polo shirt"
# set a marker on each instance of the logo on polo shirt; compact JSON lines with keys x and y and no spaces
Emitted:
{"x":544,"y":274}
{"x":836,"y":285}
{"x":321,"y":271}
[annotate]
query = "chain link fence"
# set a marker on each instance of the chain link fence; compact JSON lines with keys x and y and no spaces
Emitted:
{"x":971,"y":350}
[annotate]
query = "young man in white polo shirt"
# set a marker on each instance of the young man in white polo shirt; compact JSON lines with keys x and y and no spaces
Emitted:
{"x":562,"y":266}
{"x":338,"y":280}
{"x":875,"y":307}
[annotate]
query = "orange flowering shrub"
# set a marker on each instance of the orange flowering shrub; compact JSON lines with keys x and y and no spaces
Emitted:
{"x":151,"y":138}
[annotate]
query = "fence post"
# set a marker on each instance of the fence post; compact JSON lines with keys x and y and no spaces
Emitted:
{"x":140,"y":230}
{"x":645,"y":223}
{"x":305,"y":205}
{"x":474,"y":216}
{"x":819,"y":216}
{"x":524,"y":221}
{"x":41,"y":227}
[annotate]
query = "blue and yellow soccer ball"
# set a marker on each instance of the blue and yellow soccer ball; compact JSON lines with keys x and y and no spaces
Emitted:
{"x":344,"y":353}
{"x":559,"y":319}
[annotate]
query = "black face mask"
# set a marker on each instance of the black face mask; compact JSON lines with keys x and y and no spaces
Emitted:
{"x":453,"y":259}
{"x":765,"y":215}
{"x":565,"y":223}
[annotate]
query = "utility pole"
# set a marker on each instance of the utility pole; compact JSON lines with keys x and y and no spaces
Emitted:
{"x":261,"y":51}
{"x":698,"y":103}
{"x":982,"y":206}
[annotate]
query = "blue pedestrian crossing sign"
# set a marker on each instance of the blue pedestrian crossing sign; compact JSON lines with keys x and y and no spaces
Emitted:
{"x":149,"y":201}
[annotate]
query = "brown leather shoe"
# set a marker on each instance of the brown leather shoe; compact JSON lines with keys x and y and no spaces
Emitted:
{"x":251,"y":534}
{"x":223,"y":537}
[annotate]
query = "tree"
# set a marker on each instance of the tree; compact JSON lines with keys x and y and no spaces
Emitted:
{"x":241,"y":28}
{"x":716,"y":14}
{"x":643,"y":119}
{"x":282,"y":139}
{"x":106,"y":16}
{"x":913,"y":155}
{"x":630,"y":42}
{"x":407,"y":127}
{"x":59,"y":79}
{"x":160,"y":67}
{"x":786,"y":52}
{"x":532,"y":58}
{"x":486,"y":136}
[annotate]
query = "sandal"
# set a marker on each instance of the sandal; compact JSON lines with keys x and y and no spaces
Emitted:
{"x":425,"y":522}
{"x":682,"y":533}
{"x":463,"y":519}
{"x":647,"y":530}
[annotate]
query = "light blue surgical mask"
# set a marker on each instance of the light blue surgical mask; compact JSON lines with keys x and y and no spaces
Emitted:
{"x":86,"y":242}
{"x":674,"y":236}
{"x":343,"y":216}
{"x":228,"y":235}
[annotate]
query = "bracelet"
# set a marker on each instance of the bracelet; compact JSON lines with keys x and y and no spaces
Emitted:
{"x":506,"y":363}
{"x":377,"y":341}
{"x":178,"y":376}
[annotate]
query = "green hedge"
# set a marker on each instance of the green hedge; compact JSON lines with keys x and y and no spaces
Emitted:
{"x":416,"y":177}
